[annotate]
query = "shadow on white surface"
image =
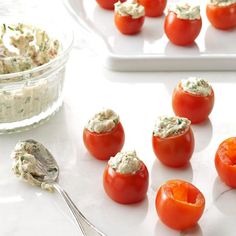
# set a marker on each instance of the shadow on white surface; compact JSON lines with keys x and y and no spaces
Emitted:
{"x":100,"y":16}
{"x":137,"y":42}
{"x":219,"y":40}
{"x":153,"y":28}
{"x":163,"y":230}
{"x":171,"y":49}
{"x":194,"y":231}
{"x":160,"y":174}
{"x":224,"y":198}
{"x":202,"y":135}
{"x":56,"y":124}
{"x":119,"y":215}
{"x":168,"y":79}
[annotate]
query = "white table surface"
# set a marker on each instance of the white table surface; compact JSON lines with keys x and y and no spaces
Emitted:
{"x":138,"y":98}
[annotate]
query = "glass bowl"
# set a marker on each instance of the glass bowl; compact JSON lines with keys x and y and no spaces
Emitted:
{"x":30,"y":97}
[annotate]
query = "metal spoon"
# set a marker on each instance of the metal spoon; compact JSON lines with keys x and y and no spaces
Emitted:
{"x":46,"y":171}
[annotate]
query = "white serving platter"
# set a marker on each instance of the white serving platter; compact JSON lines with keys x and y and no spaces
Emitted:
{"x":150,"y":50}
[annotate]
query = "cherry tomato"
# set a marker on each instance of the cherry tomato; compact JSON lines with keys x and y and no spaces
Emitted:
{"x":174,"y":151}
{"x":108,"y":4}
{"x":126,"y":188}
{"x":104,"y":145}
{"x":222,"y":17}
{"x":181,"y":31}
{"x":153,"y":8}
{"x":194,"y":107}
{"x":128,"y":25}
{"x":179,"y":204}
{"x":225,"y":161}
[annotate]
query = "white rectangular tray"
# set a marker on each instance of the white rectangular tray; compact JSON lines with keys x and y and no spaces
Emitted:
{"x":150,"y":50}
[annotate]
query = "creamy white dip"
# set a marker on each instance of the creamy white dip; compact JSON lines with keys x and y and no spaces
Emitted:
{"x":221,"y":3}
{"x":30,"y":99}
{"x":25,"y":165}
{"x":129,"y":8}
{"x":167,"y":126}
{"x":24,"y":47}
{"x":184,"y":10}
{"x":196,"y":86}
{"x":104,"y":121}
{"x":126,"y":162}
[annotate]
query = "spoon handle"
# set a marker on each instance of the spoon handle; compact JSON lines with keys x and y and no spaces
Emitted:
{"x":78,"y":216}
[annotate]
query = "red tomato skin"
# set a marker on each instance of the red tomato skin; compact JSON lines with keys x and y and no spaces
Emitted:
{"x":126,"y":188}
{"x":194,"y":107}
{"x":104,"y":145}
{"x":179,"y":215}
{"x":174,"y":151}
{"x":108,"y":4}
{"x":181,"y":32}
{"x":225,"y":160}
{"x":127,"y":25}
{"x":153,"y":8}
{"x":222,"y":17}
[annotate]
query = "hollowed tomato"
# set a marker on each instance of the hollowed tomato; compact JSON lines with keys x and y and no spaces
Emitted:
{"x":225,"y":161}
{"x":179,"y":204}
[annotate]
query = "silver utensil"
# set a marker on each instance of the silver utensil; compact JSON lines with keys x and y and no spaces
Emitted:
{"x":47,"y":166}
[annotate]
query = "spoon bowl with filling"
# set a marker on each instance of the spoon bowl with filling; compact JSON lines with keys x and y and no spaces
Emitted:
{"x":33,"y":163}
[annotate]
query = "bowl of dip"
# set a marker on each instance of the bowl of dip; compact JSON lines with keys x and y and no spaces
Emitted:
{"x":32,"y":72}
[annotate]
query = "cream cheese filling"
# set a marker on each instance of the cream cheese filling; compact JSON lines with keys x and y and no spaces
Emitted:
{"x":196,"y":86}
{"x":25,"y":166}
{"x":129,"y":8}
{"x":168,"y":126}
{"x":23,"y":47}
{"x":186,"y":11}
{"x":104,"y":121}
{"x":221,"y":3}
{"x":126,"y":162}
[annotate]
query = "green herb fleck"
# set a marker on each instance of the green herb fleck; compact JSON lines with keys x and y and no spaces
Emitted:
{"x":52,"y":170}
{"x":27,"y":100}
{"x":116,"y":121}
{"x":179,"y":121}
{"x":11,"y":28}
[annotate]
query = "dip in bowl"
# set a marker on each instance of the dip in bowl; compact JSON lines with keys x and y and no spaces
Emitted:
{"x":32,"y":72}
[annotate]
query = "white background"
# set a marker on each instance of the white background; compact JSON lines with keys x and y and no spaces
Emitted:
{"x":138,"y":98}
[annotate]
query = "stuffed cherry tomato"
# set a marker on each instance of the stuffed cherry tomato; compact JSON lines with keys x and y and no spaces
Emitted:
{"x":222,"y":14}
{"x":173,"y":141}
{"x":108,"y":4}
{"x":125,"y":178}
{"x":179,"y":204}
{"x":153,"y":8}
{"x":225,"y":161}
{"x":194,"y":99}
{"x":183,"y":24}
{"x":129,"y":17}
{"x":104,"y":135}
